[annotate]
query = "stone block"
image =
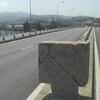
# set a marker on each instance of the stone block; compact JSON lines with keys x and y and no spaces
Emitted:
{"x":64,"y":65}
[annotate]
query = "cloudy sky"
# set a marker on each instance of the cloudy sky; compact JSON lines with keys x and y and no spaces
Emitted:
{"x":43,"y":7}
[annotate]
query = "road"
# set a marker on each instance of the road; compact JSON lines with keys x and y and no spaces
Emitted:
{"x":19,"y":63}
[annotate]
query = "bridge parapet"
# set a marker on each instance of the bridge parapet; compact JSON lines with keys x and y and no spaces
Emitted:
{"x":64,"y":65}
{"x":96,"y":68}
{"x":63,"y":68}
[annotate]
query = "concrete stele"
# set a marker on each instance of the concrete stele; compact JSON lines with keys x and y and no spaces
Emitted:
{"x":64,"y":65}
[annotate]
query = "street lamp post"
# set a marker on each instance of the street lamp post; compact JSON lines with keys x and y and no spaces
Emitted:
{"x":30,"y":15}
{"x":30,"y":10}
{"x":58,"y":9}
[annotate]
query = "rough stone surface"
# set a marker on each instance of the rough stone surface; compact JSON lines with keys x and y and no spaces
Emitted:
{"x":64,"y":65}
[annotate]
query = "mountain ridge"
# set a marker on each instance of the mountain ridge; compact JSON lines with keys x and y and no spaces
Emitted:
{"x":13,"y":16}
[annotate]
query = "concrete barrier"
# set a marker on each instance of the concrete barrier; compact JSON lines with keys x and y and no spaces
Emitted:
{"x":64,"y":65}
{"x":85,"y":36}
{"x":86,"y":92}
{"x":96,"y":72}
{"x":24,"y":35}
{"x":36,"y":92}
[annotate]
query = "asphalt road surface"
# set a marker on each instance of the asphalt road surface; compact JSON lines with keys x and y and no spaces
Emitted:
{"x":19,"y":63}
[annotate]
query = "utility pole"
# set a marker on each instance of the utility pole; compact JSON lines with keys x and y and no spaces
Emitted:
{"x":58,"y":9}
{"x":30,"y":14}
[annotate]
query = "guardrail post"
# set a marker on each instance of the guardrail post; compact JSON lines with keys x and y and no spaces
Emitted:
{"x":0,"y":32}
{"x":14,"y":36}
{"x":35,"y":32}
{"x":22,"y":34}
{"x":30,"y":34}
{"x":3,"y":38}
{"x":65,"y":66}
{"x":44,"y":30}
{"x":40,"y":31}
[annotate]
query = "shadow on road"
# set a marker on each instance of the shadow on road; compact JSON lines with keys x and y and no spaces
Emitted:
{"x":52,"y":97}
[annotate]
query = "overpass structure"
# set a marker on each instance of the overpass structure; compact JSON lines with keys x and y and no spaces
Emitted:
{"x":69,"y":70}
{"x":19,"y":61}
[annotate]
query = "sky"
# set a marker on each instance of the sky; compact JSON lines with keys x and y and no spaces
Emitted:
{"x":45,"y":7}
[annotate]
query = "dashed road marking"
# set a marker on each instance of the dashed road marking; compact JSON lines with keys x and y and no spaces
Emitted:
{"x":27,"y":47}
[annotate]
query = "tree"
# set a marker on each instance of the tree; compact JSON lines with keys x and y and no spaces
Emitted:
{"x":26,"y":26}
{"x":38,"y":25}
{"x":54,"y":24}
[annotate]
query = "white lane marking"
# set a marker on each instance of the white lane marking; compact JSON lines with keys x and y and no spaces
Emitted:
{"x":27,"y":47}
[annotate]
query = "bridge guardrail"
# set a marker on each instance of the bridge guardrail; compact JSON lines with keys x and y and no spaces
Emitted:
{"x":96,"y":72}
{"x":41,"y":86}
{"x":15,"y":37}
{"x":86,"y":35}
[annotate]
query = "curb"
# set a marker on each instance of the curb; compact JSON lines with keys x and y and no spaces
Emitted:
{"x":36,"y":91}
{"x":96,"y":77}
{"x":14,"y":39}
